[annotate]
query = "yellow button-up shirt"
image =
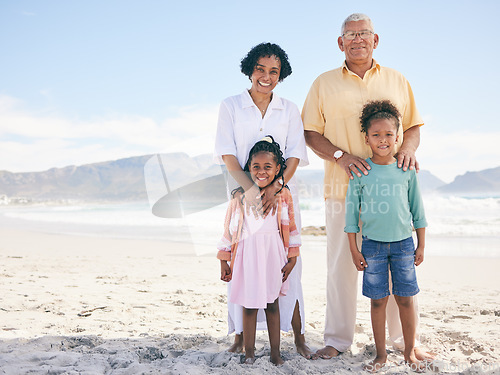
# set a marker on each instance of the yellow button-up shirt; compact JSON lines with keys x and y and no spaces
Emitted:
{"x":333,"y":108}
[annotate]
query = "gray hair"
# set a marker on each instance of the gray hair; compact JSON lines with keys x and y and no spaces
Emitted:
{"x":356,"y":17}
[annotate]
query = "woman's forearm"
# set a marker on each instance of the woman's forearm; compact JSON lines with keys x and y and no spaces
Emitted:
{"x":234,"y":168}
{"x":291,"y":167}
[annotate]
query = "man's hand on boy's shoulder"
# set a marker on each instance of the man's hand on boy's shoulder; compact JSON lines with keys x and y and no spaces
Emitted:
{"x":353,"y":165}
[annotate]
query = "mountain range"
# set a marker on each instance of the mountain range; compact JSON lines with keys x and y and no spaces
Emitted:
{"x":134,"y":178}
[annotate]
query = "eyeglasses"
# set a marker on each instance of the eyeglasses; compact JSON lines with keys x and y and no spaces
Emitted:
{"x":351,"y":35}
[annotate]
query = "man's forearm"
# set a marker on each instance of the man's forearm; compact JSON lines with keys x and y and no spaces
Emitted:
{"x":351,"y":164}
{"x":320,"y":145}
{"x":411,"y":139}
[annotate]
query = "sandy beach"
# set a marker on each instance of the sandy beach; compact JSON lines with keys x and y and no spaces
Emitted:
{"x":90,"y":305}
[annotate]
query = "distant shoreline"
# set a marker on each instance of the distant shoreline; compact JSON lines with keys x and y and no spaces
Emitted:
{"x":313,"y":231}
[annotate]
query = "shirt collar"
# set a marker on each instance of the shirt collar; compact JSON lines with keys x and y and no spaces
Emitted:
{"x":276,"y":102}
{"x":246,"y":100}
{"x":375,"y":66}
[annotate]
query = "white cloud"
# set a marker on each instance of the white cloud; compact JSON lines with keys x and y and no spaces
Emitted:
{"x":8,"y":103}
{"x":35,"y":142}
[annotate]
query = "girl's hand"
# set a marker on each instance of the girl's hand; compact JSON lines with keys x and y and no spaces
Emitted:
{"x":419,"y":256}
{"x":288,"y":268}
{"x":225,"y":271}
{"x":359,"y":260}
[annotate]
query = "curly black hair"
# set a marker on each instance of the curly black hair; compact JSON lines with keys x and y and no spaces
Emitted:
{"x":249,"y":62}
{"x":379,"y":109}
{"x":265,"y":146}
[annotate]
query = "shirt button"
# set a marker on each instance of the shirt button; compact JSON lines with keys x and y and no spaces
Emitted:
{"x":260,"y":129}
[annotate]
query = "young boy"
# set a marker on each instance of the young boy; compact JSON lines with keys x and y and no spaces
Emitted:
{"x":388,"y":203}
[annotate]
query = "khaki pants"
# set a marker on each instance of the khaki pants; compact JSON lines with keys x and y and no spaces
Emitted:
{"x":342,"y":287}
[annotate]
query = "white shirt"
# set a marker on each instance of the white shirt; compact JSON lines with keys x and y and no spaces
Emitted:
{"x":241,"y":125}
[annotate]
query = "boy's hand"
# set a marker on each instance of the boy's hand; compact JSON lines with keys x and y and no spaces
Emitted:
{"x":359,"y":260}
{"x":288,"y":268}
{"x":225,"y":271}
{"x":419,"y":256}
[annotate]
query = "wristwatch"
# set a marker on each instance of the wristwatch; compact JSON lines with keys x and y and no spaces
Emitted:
{"x":338,"y":154}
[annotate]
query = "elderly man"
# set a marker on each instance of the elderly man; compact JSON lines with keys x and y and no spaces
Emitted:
{"x":332,"y":129}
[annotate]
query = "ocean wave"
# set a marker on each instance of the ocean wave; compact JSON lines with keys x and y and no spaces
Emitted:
{"x":455,"y":216}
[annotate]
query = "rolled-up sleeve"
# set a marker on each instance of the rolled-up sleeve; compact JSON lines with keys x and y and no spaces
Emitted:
{"x":352,"y":205}
{"x":416,"y":203}
{"x":312,"y":113}
{"x":411,"y":116}
{"x":224,"y":140}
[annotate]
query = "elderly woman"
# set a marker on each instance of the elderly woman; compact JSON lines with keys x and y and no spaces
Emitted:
{"x":244,"y":119}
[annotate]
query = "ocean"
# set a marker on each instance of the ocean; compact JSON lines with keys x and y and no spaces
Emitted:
{"x":458,"y":226}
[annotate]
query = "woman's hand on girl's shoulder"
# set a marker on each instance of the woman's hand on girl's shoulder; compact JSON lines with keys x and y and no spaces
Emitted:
{"x":270,"y":196}
{"x":252,"y":201}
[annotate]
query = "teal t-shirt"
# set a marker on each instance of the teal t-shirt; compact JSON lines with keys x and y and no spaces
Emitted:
{"x":387,"y":201}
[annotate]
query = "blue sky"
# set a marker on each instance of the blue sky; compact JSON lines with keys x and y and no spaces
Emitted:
{"x":88,"y":81}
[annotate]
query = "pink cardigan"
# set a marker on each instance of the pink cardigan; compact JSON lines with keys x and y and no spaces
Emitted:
{"x":234,"y":222}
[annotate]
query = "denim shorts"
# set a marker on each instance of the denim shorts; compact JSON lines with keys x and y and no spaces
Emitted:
{"x":399,"y":257}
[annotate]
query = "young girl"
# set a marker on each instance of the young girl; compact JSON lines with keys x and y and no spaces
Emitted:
{"x":262,"y":250}
{"x":388,"y":203}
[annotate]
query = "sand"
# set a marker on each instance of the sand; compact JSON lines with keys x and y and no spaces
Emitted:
{"x":89,"y":305}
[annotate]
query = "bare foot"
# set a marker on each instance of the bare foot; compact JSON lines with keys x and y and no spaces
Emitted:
{"x":423,"y":355}
{"x":249,"y":361}
{"x":306,"y":352}
{"x":237,"y":346}
{"x":303,"y":349}
{"x":413,"y":363}
{"x":277,"y":360}
{"x":376,"y":365}
{"x":327,"y":352}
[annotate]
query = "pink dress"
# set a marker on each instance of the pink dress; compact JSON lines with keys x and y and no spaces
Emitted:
{"x":260,"y":256}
